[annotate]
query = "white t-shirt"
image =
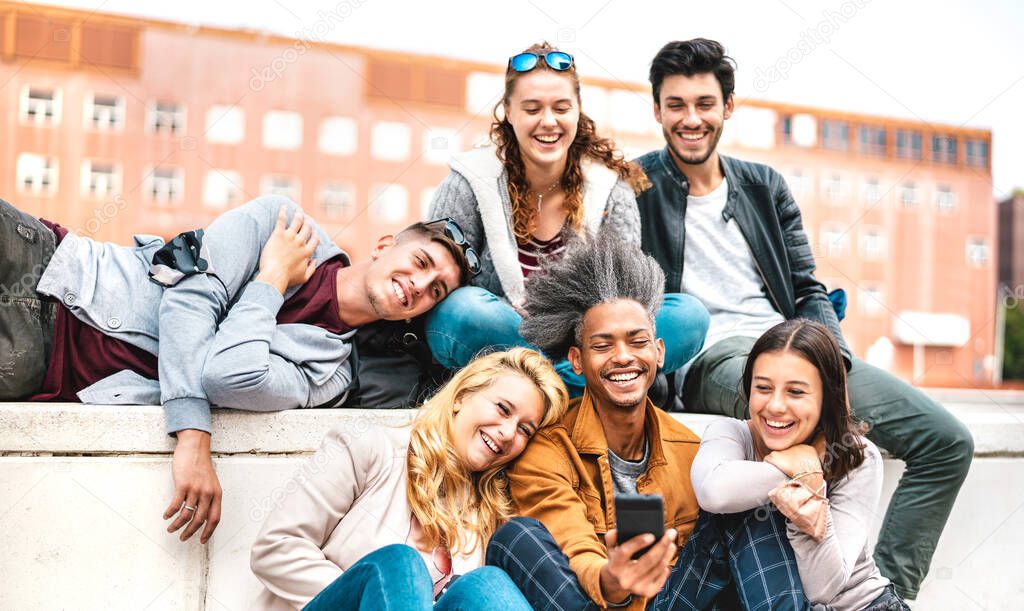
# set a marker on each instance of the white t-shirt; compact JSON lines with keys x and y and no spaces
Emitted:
{"x":719,"y":270}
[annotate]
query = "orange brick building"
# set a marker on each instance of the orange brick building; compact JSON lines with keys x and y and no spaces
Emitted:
{"x":116,"y":125}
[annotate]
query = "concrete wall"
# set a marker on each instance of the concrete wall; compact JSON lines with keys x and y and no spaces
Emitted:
{"x":82,"y":490}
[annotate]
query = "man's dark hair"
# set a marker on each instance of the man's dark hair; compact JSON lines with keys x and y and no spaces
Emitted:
{"x":435,"y":233}
{"x":599,"y":270}
{"x":692,"y":57}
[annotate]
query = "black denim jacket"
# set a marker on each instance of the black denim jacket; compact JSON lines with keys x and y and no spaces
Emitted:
{"x":769,"y":220}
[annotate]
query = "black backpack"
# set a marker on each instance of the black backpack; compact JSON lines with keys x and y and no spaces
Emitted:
{"x":392,"y":366}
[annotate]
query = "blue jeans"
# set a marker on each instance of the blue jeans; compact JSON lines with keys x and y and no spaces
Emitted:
{"x":730,"y":561}
{"x":395,"y":578}
{"x":472,"y":320}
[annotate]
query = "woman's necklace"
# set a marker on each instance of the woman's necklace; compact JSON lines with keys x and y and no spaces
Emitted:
{"x":540,"y":196}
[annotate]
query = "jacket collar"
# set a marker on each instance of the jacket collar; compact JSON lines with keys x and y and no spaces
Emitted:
{"x":588,"y":436}
{"x":728,"y":169}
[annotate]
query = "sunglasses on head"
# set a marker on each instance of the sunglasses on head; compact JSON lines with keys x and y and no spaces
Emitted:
{"x":556,"y":60}
{"x":454,"y":233}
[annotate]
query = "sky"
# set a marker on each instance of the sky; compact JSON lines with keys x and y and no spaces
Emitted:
{"x":955,"y":62}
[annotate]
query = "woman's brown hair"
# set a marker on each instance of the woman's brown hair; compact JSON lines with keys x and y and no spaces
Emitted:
{"x":587,"y":145}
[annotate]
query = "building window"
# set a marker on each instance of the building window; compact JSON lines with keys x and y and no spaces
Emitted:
{"x":945,"y":199}
{"x":40,"y":106}
{"x":872,"y":140}
{"x":100,"y":180}
{"x":872,"y":302}
{"x":338,"y":136}
{"x":225,"y":124}
{"x":908,"y":144}
{"x":977,"y":153}
{"x":338,"y":200}
{"x":222,"y":189}
{"x":439,"y":144}
{"x":786,"y":127}
{"x":390,"y":141}
{"x":835,"y":135}
{"x":835,"y":191}
{"x":872,"y":243}
{"x":426,"y":199}
{"x":285,"y":186}
{"x":799,"y":184}
{"x":834,"y":240}
{"x":943,"y":149}
{"x":104,"y":112}
{"x":282,"y":130}
{"x":166,"y":118}
{"x":37,"y":174}
{"x":872,"y":191}
{"x":166,"y":186}
{"x":977,"y":252}
{"x":389,"y":203}
{"x":908,"y":195}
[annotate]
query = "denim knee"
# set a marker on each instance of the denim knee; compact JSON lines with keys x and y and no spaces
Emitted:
{"x":467,"y":321}
{"x":396,"y":556}
{"x":682,"y":322}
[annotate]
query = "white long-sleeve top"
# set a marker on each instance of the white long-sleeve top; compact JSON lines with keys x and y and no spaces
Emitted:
{"x":839,"y":571}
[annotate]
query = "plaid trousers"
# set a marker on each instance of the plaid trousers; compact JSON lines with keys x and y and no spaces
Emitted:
{"x":730,"y":562}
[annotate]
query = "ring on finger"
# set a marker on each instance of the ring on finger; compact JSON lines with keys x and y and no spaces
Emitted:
{"x":189,"y":508}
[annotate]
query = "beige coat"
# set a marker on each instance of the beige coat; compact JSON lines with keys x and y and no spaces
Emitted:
{"x":348,"y":500}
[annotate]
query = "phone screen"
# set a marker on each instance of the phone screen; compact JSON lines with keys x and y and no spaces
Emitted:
{"x":638,"y":514}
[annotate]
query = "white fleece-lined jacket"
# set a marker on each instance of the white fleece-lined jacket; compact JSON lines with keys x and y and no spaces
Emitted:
{"x":475,"y":195}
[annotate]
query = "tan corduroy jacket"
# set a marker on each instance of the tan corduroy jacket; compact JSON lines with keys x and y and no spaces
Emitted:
{"x":563,"y":479}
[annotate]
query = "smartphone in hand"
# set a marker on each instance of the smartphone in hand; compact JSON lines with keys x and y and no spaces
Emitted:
{"x":638,"y":514}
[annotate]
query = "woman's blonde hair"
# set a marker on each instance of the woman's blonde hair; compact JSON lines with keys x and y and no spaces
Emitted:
{"x":455,"y":507}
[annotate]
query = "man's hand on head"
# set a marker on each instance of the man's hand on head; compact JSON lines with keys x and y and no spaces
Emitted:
{"x":197,"y":493}
{"x":622,"y":576}
{"x":287,"y":257}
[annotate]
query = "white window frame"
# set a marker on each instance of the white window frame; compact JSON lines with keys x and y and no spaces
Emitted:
{"x":439,"y":144}
{"x":157,"y":190}
{"x":910,"y":195}
{"x":390,"y":141}
{"x":338,"y":136}
{"x":44,"y":167}
{"x":37,"y":118}
{"x":285,"y":185}
{"x":225,"y":124}
{"x":111,"y":182}
{"x":871,"y":300}
{"x":834,"y":188}
{"x":872,"y":191}
{"x":230,"y":180}
{"x":833,"y":247}
{"x":383,"y":194}
{"x":798,"y":182}
{"x":282,"y":130}
{"x":110,"y":118}
{"x":173,"y":121}
{"x":976,"y":245}
{"x":874,"y":251}
{"x":945,"y":198}
{"x":346,"y":209}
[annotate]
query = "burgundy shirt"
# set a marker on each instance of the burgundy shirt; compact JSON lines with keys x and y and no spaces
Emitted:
{"x":82,"y":355}
{"x":534,"y":251}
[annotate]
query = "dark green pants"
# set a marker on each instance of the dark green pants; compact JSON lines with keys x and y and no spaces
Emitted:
{"x":936,"y":447}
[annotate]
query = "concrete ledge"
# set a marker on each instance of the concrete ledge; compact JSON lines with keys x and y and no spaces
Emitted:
{"x":82,"y":490}
{"x":996,"y":420}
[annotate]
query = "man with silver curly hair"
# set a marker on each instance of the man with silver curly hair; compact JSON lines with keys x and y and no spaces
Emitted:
{"x":597,"y":307}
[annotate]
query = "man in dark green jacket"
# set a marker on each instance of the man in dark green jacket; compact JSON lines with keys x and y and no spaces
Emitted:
{"x":746,"y":257}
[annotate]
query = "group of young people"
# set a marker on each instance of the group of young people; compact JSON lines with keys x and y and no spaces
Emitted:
{"x":565,"y":287}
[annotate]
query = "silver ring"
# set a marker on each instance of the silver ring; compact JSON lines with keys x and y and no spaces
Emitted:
{"x":190,"y":508}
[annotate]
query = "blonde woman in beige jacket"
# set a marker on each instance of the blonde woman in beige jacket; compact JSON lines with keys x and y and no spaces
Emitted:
{"x":399,"y":517}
